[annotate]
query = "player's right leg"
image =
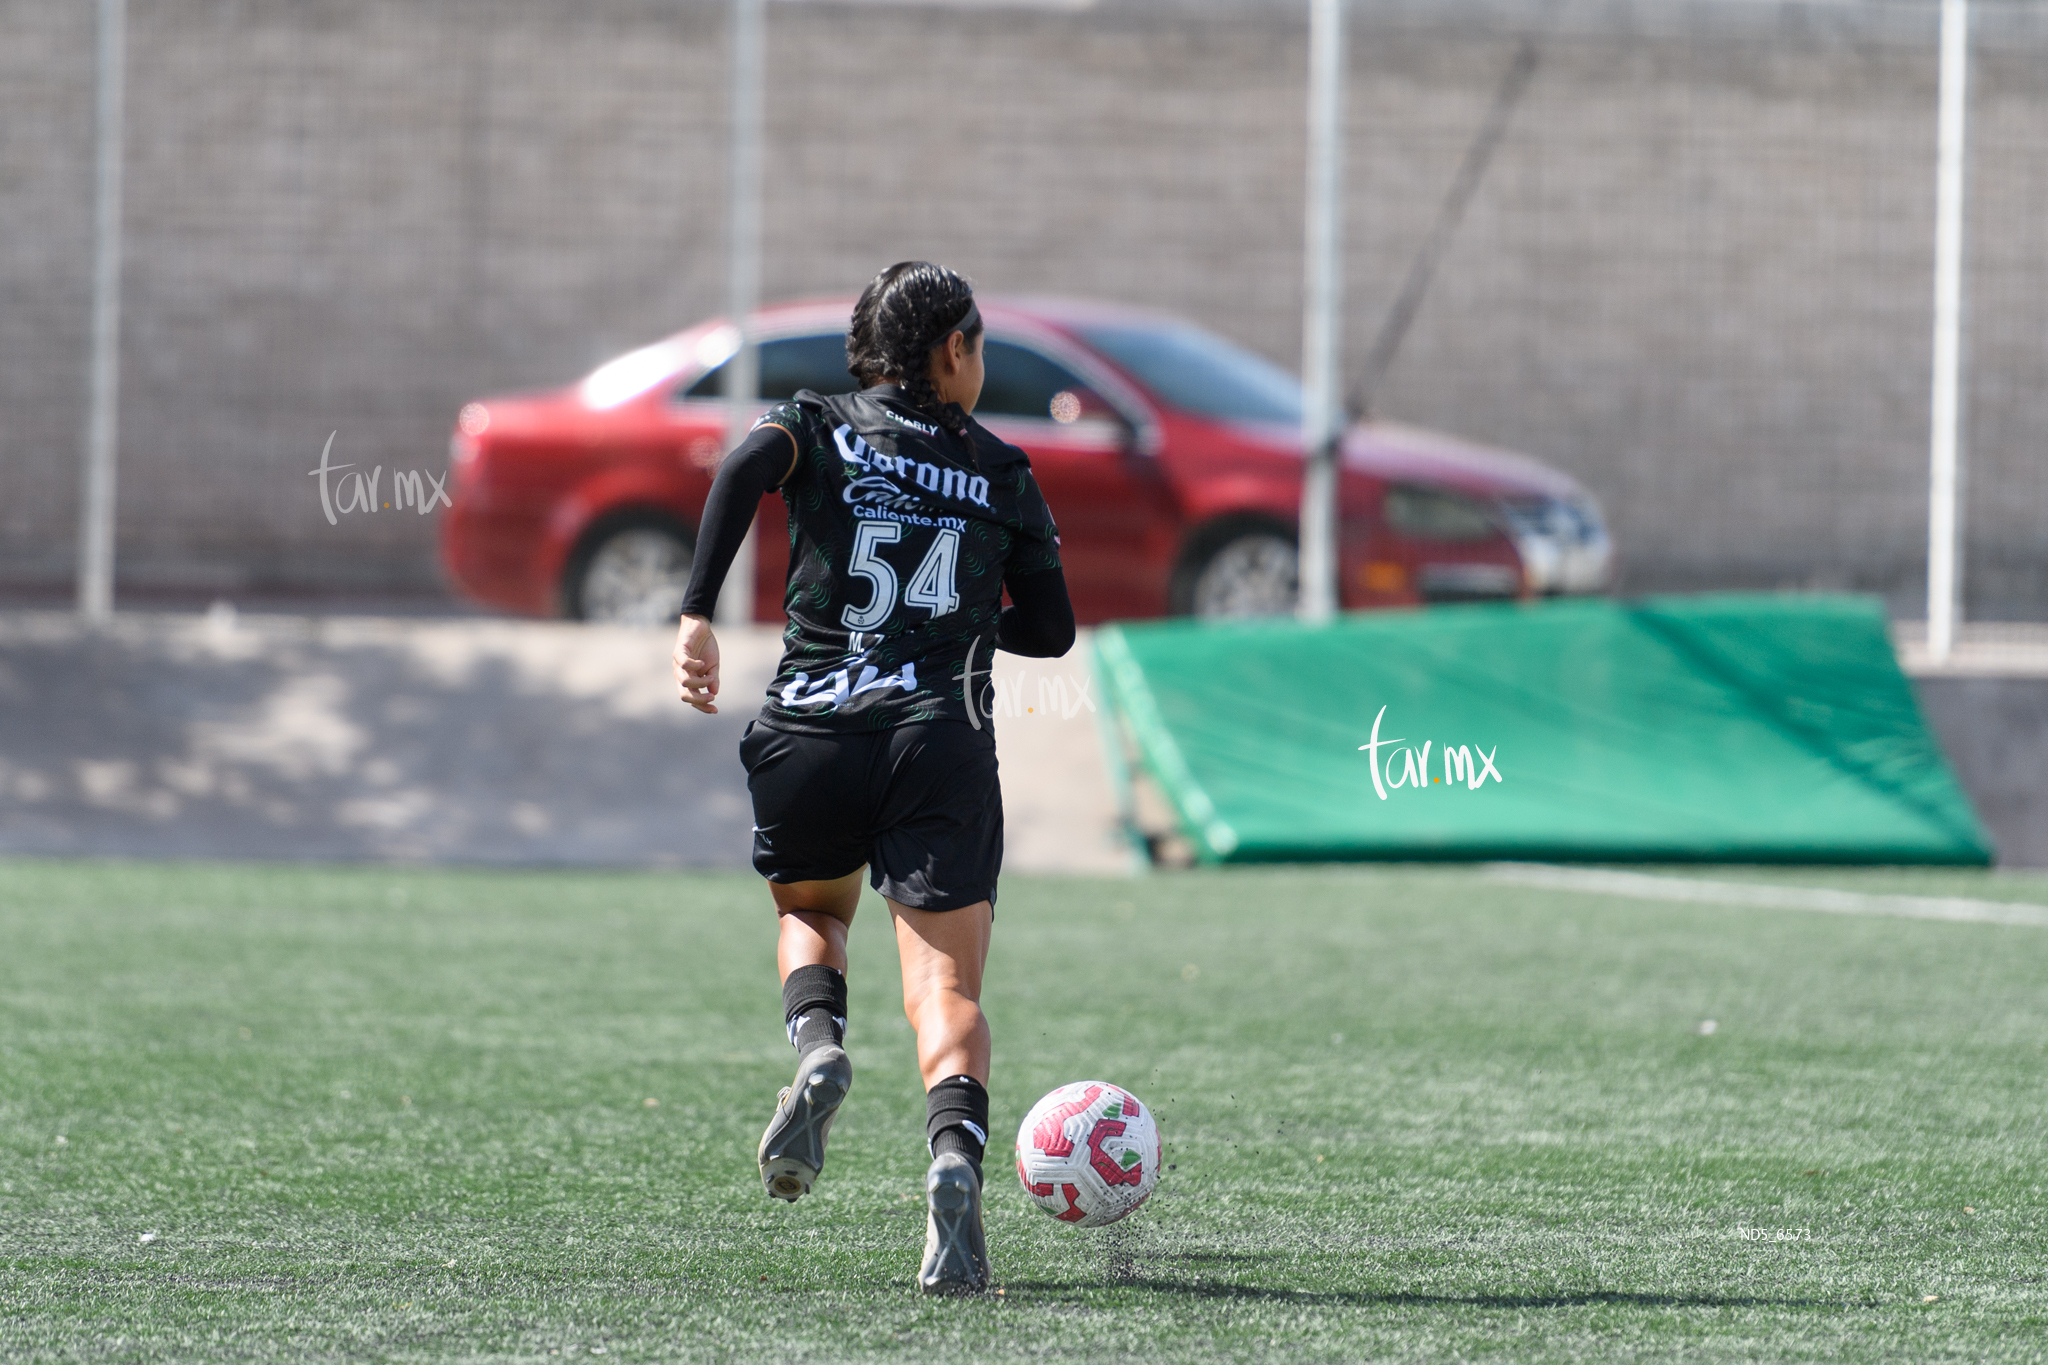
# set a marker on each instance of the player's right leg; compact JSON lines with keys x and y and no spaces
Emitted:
{"x":937,"y":852}
{"x":943,"y":955}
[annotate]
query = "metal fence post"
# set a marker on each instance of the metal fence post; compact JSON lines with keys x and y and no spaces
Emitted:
{"x":1944,"y":555}
{"x":102,"y":423}
{"x":743,"y":272}
{"x":1322,"y":423}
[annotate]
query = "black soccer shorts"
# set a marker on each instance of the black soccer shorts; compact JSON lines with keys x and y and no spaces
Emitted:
{"x":918,"y":803}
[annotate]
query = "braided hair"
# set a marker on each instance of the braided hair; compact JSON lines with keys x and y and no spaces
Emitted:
{"x":910,"y":308}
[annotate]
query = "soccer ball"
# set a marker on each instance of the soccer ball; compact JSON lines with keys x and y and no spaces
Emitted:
{"x":1088,"y":1153}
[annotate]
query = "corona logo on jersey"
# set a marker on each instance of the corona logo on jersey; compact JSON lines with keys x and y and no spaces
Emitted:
{"x":873,"y":487}
{"x":1089,"y":1153}
{"x":1471,"y":764}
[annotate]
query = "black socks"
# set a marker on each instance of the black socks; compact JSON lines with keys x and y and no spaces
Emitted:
{"x":956,"y":1109}
{"x":814,"y":1005}
{"x":956,"y":1118}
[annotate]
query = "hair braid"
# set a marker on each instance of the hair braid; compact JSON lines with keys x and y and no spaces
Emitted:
{"x":907,"y":310}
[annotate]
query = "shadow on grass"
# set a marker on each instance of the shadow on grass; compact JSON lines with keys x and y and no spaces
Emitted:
{"x":1210,"y":1289}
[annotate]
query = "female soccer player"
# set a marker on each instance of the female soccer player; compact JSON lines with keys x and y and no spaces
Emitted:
{"x":907,"y":520}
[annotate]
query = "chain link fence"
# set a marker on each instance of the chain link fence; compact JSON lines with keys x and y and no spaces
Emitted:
{"x":1696,"y":272}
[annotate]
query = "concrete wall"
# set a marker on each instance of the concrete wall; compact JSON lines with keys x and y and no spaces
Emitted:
{"x":1697,"y":277}
{"x":1995,"y":732}
{"x":465,"y":741}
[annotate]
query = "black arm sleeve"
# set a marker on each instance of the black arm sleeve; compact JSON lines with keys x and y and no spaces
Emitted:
{"x":1040,"y":621}
{"x":750,"y":473}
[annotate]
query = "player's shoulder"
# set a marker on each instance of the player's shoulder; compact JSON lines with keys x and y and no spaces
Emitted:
{"x":790,"y":415}
{"x":803,"y":408}
{"x":992,"y":451}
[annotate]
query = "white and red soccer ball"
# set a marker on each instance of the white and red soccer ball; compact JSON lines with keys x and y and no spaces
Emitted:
{"x":1088,"y":1153}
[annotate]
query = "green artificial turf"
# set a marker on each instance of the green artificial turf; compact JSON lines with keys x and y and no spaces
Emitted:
{"x":269,"y":1114}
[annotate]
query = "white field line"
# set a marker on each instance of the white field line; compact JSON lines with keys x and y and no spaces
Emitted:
{"x":1643,"y":886}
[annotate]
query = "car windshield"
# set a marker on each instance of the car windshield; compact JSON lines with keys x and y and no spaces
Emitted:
{"x":1199,"y":372}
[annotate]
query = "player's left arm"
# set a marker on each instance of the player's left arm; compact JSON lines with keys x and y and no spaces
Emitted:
{"x":1039,"y":622}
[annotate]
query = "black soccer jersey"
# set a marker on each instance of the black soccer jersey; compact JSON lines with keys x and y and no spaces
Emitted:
{"x":899,"y":536}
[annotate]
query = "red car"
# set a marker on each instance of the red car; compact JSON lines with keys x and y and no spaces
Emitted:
{"x":1171,"y":458}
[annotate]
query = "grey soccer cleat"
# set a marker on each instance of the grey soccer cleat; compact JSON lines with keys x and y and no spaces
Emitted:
{"x":793,"y":1149}
{"x":955,"y":1252}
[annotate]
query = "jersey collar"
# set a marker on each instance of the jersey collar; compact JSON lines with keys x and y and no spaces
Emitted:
{"x":987,"y":450}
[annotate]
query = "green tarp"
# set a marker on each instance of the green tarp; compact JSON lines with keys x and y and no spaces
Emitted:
{"x":1731,"y":727}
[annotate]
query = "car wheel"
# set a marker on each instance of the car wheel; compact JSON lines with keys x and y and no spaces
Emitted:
{"x":630,"y":575}
{"x":1246,"y":571}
